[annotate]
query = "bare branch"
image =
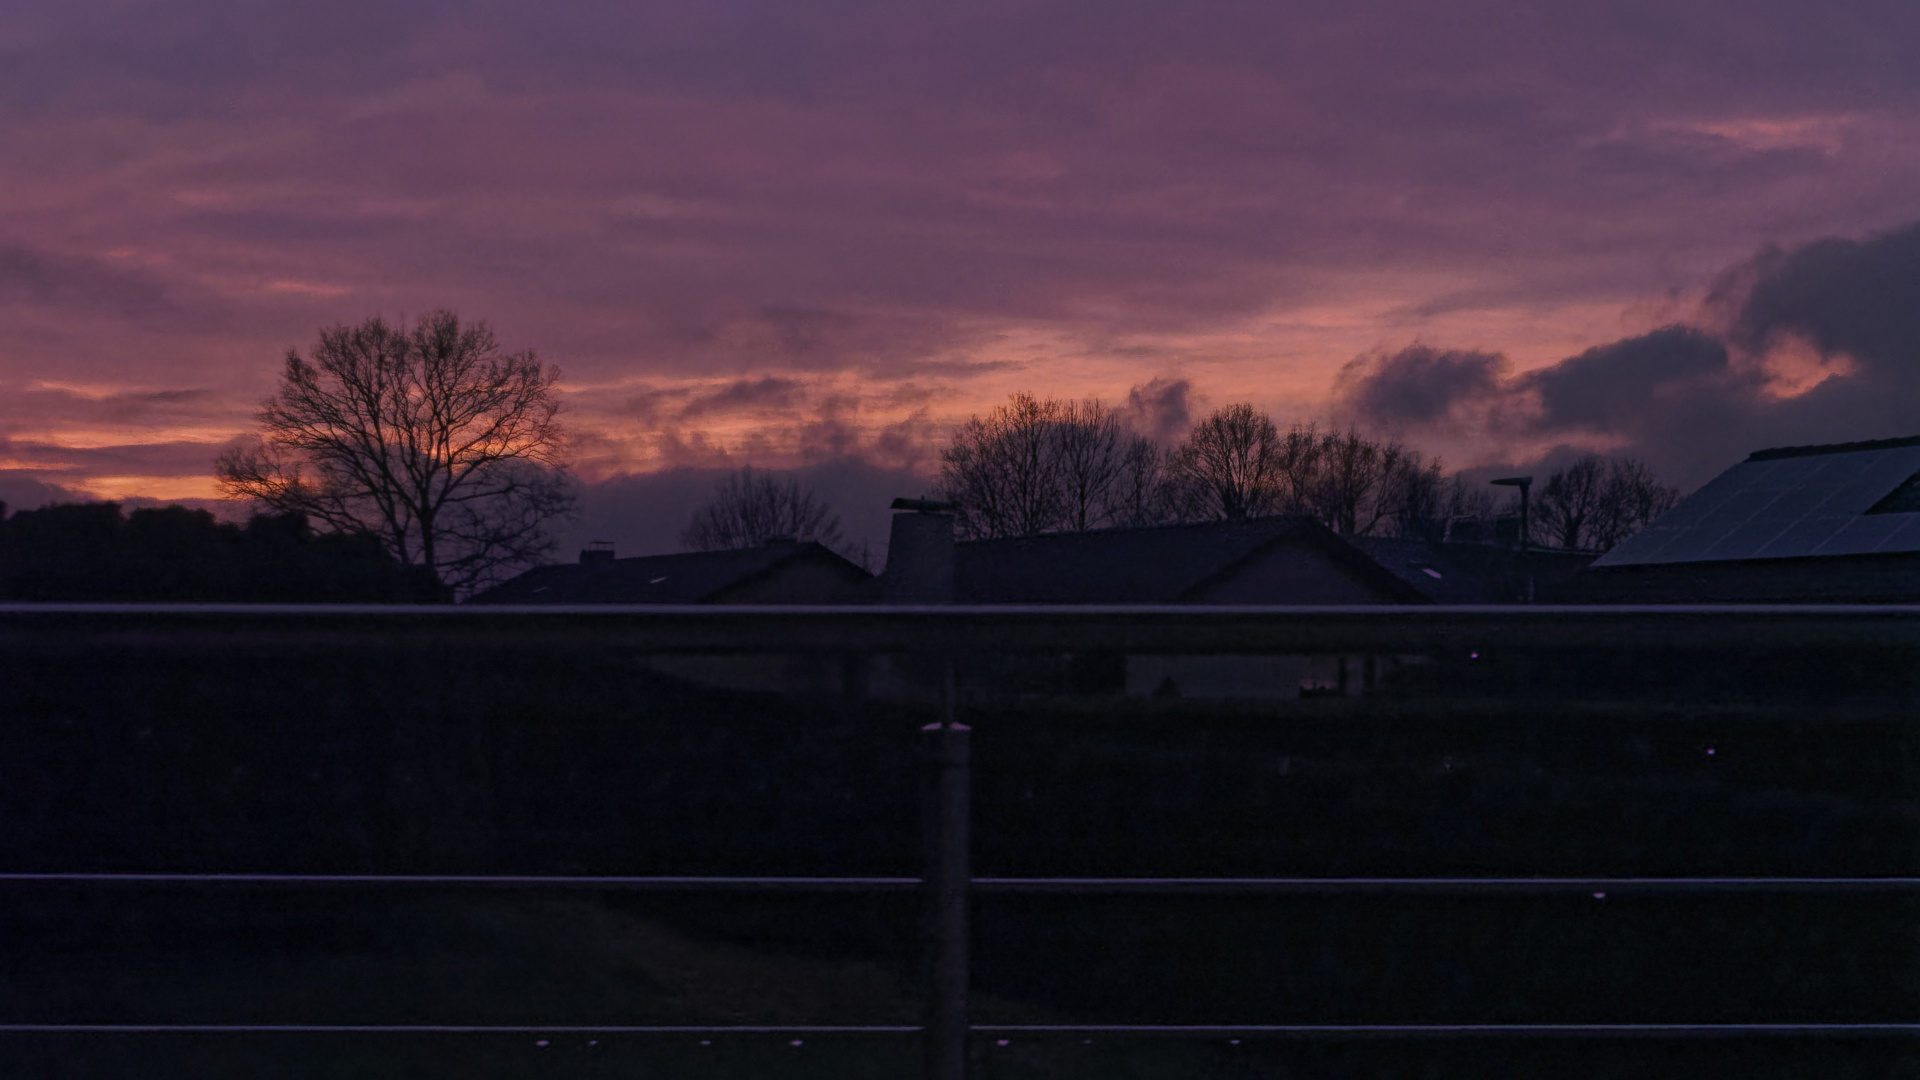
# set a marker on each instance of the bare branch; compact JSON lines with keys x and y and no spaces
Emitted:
{"x":751,"y":508}
{"x":429,"y":438}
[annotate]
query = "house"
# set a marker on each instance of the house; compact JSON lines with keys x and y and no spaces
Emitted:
{"x":778,"y":572}
{"x":1457,"y":572}
{"x":1798,"y":524}
{"x":1272,"y":561}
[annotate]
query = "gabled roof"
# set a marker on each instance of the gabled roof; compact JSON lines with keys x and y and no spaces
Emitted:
{"x":1457,"y":573}
{"x":1793,"y":502}
{"x":1839,"y":579}
{"x":1155,"y":565}
{"x":694,"y":577}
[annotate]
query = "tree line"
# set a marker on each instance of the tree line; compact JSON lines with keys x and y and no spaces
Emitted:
{"x":96,"y":552}
{"x":1037,"y":465}
{"x":448,"y":453}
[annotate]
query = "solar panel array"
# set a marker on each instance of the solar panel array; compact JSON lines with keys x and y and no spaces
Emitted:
{"x":1784,"y":508}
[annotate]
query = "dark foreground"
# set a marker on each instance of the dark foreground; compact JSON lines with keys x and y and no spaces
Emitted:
{"x":358,"y":756}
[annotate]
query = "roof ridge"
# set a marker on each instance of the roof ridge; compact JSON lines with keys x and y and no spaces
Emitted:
{"x":1778,"y":452}
{"x":1293,"y":519}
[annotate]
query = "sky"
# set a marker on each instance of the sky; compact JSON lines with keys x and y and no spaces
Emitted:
{"x":818,"y":235}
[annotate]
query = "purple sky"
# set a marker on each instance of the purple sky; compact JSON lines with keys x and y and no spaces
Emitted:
{"x":793,"y":234}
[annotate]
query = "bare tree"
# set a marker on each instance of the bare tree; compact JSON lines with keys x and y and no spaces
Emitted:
{"x":430,"y":438}
{"x":1633,"y":497}
{"x":1090,"y":450}
{"x":1343,"y":492}
{"x":1595,"y":502}
{"x":1237,"y":464}
{"x":1039,"y":465}
{"x":1414,"y":501}
{"x":1299,"y":465}
{"x":1230,"y":466}
{"x":1355,"y":485}
{"x":1457,"y":500}
{"x":1566,"y":505}
{"x":1145,"y":493}
{"x":1001,"y":470}
{"x":751,"y":508}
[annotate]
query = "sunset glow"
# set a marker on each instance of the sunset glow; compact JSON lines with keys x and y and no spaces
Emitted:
{"x":788,"y":236}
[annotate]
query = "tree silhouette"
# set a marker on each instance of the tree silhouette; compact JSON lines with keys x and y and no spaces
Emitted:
{"x":1230,"y":467}
{"x":430,"y":439}
{"x":1595,"y":502}
{"x":1039,"y":465}
{"x":750,"y":508}
{"x":92,"y":552}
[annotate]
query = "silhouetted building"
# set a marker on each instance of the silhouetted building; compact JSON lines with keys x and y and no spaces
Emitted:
{"x":1798,"y":524}
{"x":1493,"y":572}
{"x":778,"y":572}
{"x":1268,"y":560}
{"x":1271,"y":560}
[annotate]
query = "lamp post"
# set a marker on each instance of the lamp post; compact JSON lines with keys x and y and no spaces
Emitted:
{"x":1524,"y":483}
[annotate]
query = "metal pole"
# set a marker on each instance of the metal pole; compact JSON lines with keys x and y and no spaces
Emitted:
{"x":949,"y":874}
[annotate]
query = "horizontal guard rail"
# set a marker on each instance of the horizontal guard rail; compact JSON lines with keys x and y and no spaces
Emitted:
{"x":950,"y":632}
{"x":1357,"y":1031}
{"x":1198,"y":886}
{"x":951,"y":629}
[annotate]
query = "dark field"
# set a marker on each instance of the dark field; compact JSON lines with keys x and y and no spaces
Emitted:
{"x":396,"y":758}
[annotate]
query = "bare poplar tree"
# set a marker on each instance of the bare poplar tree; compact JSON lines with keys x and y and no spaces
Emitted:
{"x":430,"y":439}
{"x":751,"y":508}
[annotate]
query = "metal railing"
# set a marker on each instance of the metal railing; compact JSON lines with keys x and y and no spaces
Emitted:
{"x":948,"y":883}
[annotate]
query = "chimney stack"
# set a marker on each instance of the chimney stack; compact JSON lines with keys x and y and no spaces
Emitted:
{"x":919,"y":554}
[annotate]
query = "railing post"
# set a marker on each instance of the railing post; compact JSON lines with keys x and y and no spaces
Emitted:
{"x":948,"y":878}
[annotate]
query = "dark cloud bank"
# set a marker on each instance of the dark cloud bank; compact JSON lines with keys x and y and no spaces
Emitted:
{"x":1693,"y":398}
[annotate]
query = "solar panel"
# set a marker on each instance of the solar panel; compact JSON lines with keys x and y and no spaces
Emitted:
{"x":1908,"y":538}
{"x":1785,"y":507}
{"x":1862,"y":535}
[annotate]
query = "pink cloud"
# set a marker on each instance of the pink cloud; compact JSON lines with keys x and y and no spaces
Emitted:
{"x":863,"y":222}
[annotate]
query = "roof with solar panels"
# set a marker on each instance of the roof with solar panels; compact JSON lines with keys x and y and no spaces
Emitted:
{"x":1796,"y":524}
{"x":1859,"y":498}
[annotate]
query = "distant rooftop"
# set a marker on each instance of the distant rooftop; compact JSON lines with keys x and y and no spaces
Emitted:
{"x":1792,"y":502}
{"x":1160,"y":564}
{"x":1779,"y":452}
{"x":692,"y":577}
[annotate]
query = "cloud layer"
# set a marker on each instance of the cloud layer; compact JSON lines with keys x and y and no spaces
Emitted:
{"x":1810,"y":344}
{"x":790,"y":233}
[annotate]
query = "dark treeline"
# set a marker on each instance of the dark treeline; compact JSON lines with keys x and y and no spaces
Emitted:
{"x":1045,"y":465}
{"x":93,"y":552}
